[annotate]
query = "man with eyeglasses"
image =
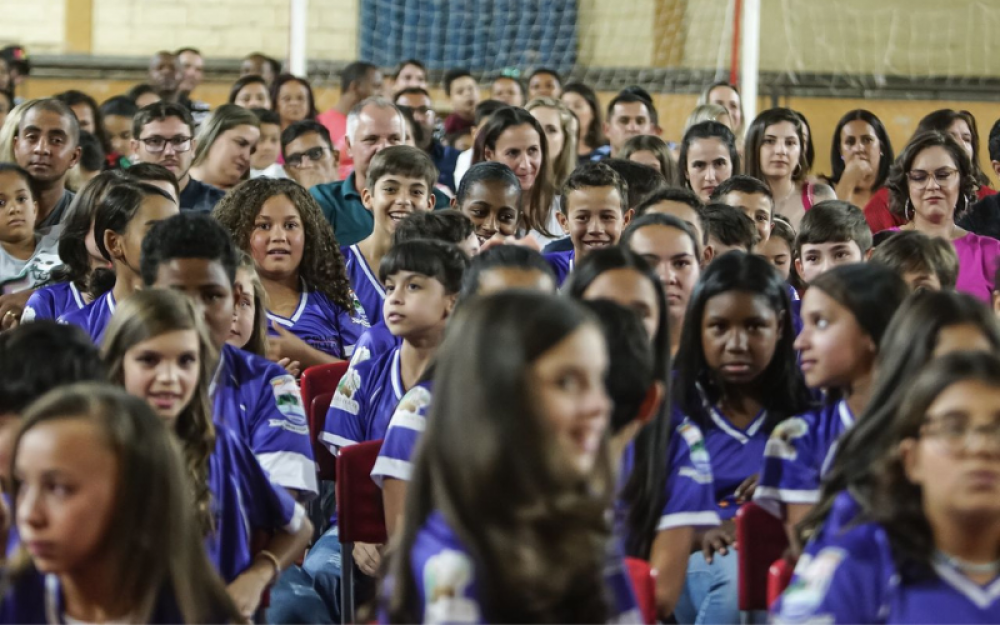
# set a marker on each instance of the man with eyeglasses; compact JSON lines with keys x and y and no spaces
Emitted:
{"x":163,"y":133}
{"x":310,"y":158}
{"x":444,"y":157}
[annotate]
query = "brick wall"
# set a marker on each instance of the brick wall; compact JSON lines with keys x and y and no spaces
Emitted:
{"x":35,"y":24}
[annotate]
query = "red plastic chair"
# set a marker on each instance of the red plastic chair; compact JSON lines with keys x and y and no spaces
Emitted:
{"x":762,"y":540}
{"x":360,"y":514}
{"x":644,"y":585}
{"x":317,"y":381}
{"x":778,"y":578}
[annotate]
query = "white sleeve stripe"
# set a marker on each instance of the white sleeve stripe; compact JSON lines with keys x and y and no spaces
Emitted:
{"x":785,"y":495}
{"x":688,"y":519}
{"x":391,"y":467}
{"x":334,"y":442}
{"x":408,"y":421}
{"x":298,"y":516}
{"x":289,"y":469}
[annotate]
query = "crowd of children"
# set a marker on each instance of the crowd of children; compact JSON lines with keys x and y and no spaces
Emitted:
{"x":577,"y":351}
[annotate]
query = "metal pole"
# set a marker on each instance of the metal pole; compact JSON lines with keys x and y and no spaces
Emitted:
{"x":297,"y":38}
{"x":750,"y":65}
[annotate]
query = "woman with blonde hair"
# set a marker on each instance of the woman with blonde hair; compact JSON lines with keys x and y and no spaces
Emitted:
{"x":9,"y":130}
{"x":560,"y":125}
{"x":225,"y":142}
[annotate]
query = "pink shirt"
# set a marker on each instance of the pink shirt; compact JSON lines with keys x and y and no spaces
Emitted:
{"x":336,"y":123}
{"x":977,"y":265}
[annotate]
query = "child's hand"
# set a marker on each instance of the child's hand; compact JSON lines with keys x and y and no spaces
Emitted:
{"x":293,"y":367}
{"x":368,"y":558}
{"x":744,"y":492}
{"x":715,"y":540}
{"x":11,"y":307}
{"x":285,"y":346}
{"x":246,"y":590}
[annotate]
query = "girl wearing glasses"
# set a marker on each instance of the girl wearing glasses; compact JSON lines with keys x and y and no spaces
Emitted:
{"x":931,"y":182}
{"x":928,"y":551}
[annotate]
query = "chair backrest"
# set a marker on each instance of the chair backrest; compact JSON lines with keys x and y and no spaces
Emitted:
{"x":778,"y":578}
{"x":325,"y":461}
{"x":762,"y":540}
{"x":321,"y":379}
{"x":644,"y":586}
{"x":360,"y":513}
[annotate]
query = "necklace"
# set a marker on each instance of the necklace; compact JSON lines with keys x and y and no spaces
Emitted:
{"x":969,"y":567}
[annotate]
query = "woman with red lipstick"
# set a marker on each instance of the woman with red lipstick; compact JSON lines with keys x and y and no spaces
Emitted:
{"x":226,"y":141}
{"x":775,"y":156}
{"x":932,"y":181}
{"x":737,"y":379}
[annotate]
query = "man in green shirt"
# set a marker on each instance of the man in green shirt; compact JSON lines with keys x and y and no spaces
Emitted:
{"x":372,"y":126}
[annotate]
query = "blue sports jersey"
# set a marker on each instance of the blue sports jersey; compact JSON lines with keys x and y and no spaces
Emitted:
{"x":94,"y":317}
{"x":448,"y":588}
{"x":244,"y":500}
{"x":690,"y":497}
{"x":365,"y":400}
{"x":52,"y":302}
{"x":798,"y":454}
{"x":855,"y":579}
{"x":402,"y":435}
{"x":735,"y":454}
{"x":365,"y":282}
{"x":322,"y":324}
{"x":375,"y":341}
{"x":562,"y":264}
{"x":797,"y":315}
{"x":261,"y":403}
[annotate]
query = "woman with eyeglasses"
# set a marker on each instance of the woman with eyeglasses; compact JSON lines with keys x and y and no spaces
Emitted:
{"x":931,"y":182}
{"x":226,"y":141}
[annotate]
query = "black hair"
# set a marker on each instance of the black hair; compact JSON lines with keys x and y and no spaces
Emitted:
{"x":913,"y":251}
{"x":160,"y":111}
{"x":837,"y":163}
{"x":782,"y":391}
{"x":659,"y":219}
{"x":435,"y":259}
{"x":412,"y":127}
{"x":40,"y":356}
{"x":708,"y":130}
{"x":283,"y":79}
{"x":355,"y":72}
{"x":660,"y":150}
{"x":546,"y":70}
{"x":75,"y":98}
{"x":485,"y":109}
{"x":594,"y":136}
{"x":503,"y":257}
{"x":729,"y":226}
{"x":60,"y":108}
{"x":402,"y":160}
{"x":448,"y":225}
{"x":146,"y":172}
{"x":641,"y":179}
{"x":451,"y":76}
{"x":630,"y":360}
{"x":487,"y":171}
{"x":808,"y":149}
{"x":898,"y":183}
{"x":243,"y":81}
{"x":411,"y":91}
{"x":92,"y":157}
{"x":834,"y":221}
{"x":14,"y":168}
{"x":140,"y":90}
{"x":594,"y":174}
{"x":742,"y":183}
{"x":669,"y":194}
{"x":120,"y":106}
{"x":414,"y":62}
{"x":118,"y":208}
{"x":645,"y":492}
{"x":266,"y":117}
{"x":755,"y":139}
{"x":304,"y":127}
{"x":187,"y":235}
{"x":630,"y":96}
{"x":994,"y":141}
{"x":941,"y":120}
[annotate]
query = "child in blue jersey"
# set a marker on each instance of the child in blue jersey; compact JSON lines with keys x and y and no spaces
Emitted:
{"x":593,"y":212}
{"x":490,"y":195}
{"x":499,"y":268}
{"x":485,"y":529}
{"x":737,"y":378}
{"x":927,"y":550}
{"x":69,"y":285}
{"x":670,"y":246}
{"x":845,"y":313}
{"x":929,"y":324}
{"x":448,"y":226}
{"x":105,"y":513}
{"x":249,"y":329}
{"x":832,"y":233}
{"x":399,"y":183}
{"x":665,"y":489}
{"x":254,"y":397}
{"x":121,"y":222}
{"x":314,"y":315}
{"x":26,"y":257}
{"x":158,"y":349}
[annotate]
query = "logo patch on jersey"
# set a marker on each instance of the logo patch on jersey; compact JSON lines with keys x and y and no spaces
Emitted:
{"x":812,"y":582}
{"x":780,"y":443}
{"x":699,"y":453}
{"x":288,"y":399}
{"x":358,"y":315}
{"x":360,"y":355}
{"x":447,"y":575}
{"x":346,"y":389}
{"x":415,"y":401}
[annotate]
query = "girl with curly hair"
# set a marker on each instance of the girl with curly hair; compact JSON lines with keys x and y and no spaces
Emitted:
{"x":313,"y":314}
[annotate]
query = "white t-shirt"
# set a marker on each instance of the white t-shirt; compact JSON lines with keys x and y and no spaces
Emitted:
{"x":19,"y":275}
{"x":462,"y":165}
{"x":273,"y":171}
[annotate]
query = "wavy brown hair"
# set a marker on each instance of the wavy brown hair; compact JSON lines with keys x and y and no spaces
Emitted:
{"x":322,"y":266}
{"x":898,"y":184}
{"x":152,"y":313}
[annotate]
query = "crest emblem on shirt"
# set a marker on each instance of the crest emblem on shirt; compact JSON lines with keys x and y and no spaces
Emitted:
{"x":447,"y":575}
{"x":812,"y":581}
{"x":780,"y":443}
{"x":347,"y":388}
{"x":415,"y":400}
{"x":358,"y":311}
{"x":699,"y":453}
{"x":288,"y":399}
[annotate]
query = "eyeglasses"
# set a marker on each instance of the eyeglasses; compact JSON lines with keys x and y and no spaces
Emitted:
{"x":957,"y":434}
{"x":313,"y":154}
{"x":920,"y":178}
{"x":156,"y":144}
